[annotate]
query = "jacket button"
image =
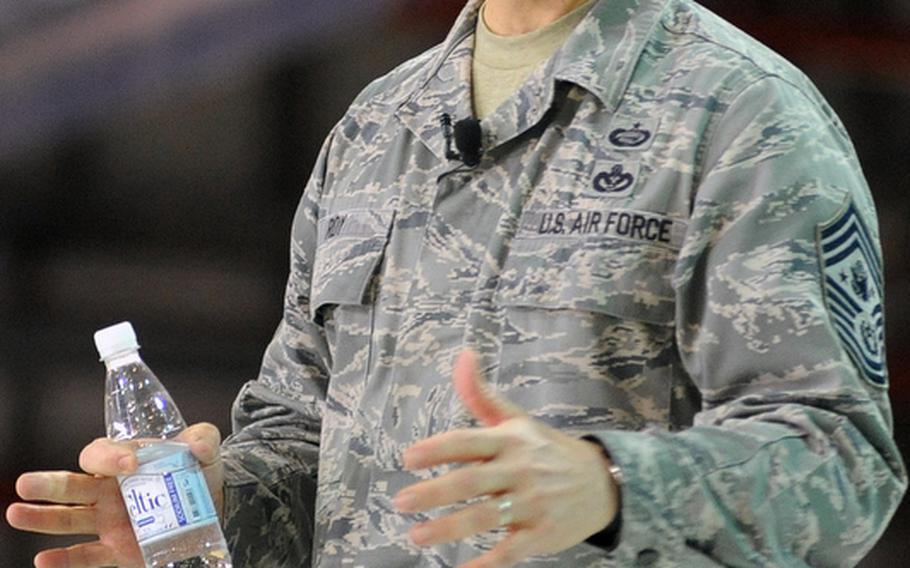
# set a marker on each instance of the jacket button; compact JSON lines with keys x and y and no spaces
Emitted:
{"x":647,"y":557}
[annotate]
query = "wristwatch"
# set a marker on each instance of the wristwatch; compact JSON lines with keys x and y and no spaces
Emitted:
{"x":608,"y":538}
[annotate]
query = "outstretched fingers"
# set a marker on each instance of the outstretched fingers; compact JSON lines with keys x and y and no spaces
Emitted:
{"x":479,"y":517}
{"x":62,"y":487}
{"x":86,"y":555}
{"x":72,"y":495}
{"x":52,"y":519}
{"x":514,"y":548}
{"x":456,"y":446}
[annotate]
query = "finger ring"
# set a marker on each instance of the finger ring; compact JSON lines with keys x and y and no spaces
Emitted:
{"x":504,"y":506}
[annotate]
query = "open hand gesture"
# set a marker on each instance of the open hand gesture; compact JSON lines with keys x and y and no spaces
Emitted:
{"x":551,"y":490}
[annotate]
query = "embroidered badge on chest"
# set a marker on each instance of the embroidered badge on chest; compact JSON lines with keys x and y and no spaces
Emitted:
{"x":630,"y":134}
{"x":853,"y":291}
{"x":630,"y":137}
{"x":613,"y":179}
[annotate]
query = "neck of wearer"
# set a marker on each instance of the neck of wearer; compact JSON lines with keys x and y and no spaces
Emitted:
{"x":517,"y":17}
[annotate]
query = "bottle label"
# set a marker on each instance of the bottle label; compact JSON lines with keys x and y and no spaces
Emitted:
{"x":172,"y":497}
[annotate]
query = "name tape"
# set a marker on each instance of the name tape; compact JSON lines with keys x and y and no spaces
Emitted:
{"x":354,"y":223}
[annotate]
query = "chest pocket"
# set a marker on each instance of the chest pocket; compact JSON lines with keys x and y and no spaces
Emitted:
{"x":587,"y":338}
{"x":625,"y":279}
{"x":350,"y":248}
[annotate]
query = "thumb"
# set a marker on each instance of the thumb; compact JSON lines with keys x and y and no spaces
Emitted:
{"x":488,"y":407}
{"x":204,"y":440}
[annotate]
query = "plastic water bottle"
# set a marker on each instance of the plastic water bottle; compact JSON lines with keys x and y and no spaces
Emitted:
{"x":169,"y":504}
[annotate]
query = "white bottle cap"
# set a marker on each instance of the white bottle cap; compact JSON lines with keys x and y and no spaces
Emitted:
{"x":116,"y":339}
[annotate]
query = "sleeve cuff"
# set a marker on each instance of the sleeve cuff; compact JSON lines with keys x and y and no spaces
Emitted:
{"x":608,"y":538}
{"x":640,"y":534}
{"x":267,"y":524}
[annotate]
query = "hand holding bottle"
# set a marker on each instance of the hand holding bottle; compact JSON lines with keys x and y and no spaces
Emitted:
{"x":153,"y":488}
{"x":90,"y":503}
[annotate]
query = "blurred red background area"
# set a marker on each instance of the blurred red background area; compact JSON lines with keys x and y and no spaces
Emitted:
{"x":872,"y":43}
{"x":439,"y":13}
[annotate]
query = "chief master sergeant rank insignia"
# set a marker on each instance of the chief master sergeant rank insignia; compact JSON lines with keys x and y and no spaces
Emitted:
{"x":853,"y":291}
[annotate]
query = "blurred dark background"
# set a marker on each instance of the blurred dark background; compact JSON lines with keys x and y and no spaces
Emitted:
{"x":152,"y":155}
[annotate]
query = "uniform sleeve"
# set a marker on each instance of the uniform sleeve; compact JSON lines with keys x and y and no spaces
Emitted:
{"x":791,"y":461}
{"x":272,"y":456}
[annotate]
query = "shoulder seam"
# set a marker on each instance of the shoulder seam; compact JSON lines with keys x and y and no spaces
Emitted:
{"x":765,"y":72}
{"x":718,"y":119}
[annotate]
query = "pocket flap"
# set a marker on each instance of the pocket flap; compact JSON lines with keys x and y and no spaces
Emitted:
{"x":625,"y":279}
{"x":350,"y":246}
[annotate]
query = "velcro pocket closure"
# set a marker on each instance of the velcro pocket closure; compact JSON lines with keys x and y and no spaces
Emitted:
{"x":621,"y":278}
{"x":350,"y":246}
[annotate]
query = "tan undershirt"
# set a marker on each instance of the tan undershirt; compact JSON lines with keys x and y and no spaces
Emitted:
{"x":502,"y":63}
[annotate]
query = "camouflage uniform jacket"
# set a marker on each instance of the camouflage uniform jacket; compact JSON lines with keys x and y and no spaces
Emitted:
{"x":668,"y":244}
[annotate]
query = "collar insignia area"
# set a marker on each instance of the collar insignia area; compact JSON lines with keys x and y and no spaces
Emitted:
{"x":612,"y":179}
{"x":632,"y":133}
{"x":853,"y":291}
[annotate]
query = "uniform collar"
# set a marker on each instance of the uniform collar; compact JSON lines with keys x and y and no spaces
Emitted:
{"x":600,"y":56}
{"x":602,"y":52}
{"x":446,"y":86}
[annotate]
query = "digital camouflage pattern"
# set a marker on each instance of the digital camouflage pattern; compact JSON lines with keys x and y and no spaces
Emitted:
{"x":644,"y":254}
